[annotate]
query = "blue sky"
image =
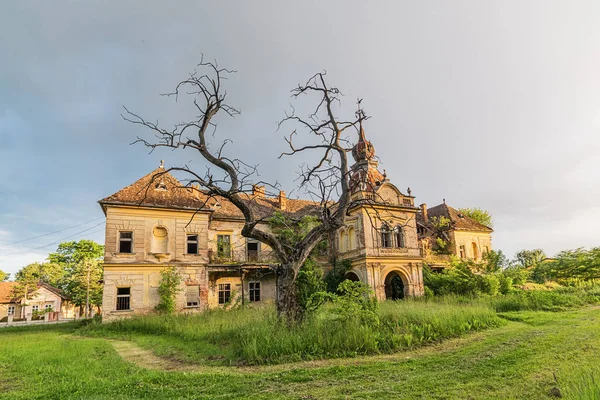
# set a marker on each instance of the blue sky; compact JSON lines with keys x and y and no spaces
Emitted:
{"x":487,"y":104}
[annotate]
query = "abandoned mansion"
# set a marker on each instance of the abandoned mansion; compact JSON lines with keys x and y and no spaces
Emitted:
{"x":157,"y":222}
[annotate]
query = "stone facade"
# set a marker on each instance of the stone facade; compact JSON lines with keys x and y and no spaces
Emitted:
{"x":157,"y":222}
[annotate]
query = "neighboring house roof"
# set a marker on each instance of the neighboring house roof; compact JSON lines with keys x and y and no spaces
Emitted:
{"x":459,"y":221}
{"x":6,"y":292}
{"x":161,"y":189}
{"x":6,"y":289}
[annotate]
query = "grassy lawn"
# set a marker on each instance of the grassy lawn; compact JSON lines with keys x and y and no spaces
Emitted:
{"x":532,"y":356}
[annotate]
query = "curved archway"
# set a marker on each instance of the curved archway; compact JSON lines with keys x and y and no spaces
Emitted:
{"x":394,"y":286}
{"x":351,"y":276}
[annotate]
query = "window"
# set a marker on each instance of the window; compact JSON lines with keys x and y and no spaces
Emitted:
{"x":224,"y":246}
{"x":252,"y":249}
{"x":351,"y":239}
{"x":224,"y":292}
{"x":254,"y":291}
{"x":35,"y":308}
{"x":160,"y":240}
{"x":342,"y":241}
{"x":463,"y":252}
{"x":11,"y":310}
{"x":48,"y":307}
{"x":192,"y":244}
{"x":125,"y":242}
{"x":475,"y":251}
{"x":399,"y":236}
{"x":193,"y":296}
{"x":386,"y":238}
{"x":123,"y":298}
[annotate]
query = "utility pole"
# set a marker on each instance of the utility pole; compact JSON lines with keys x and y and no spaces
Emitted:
{"x":87,"y":291}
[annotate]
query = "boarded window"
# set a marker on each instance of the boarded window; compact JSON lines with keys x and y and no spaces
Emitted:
{"x":224,"y":246}
{"x":159,"y":240}
{"x":193,"y":296}
{"x":126,"y":242}
{"x":351,"y":239}
{"x":123,"y":298}
{"x":254,"y":291}
{"x":224,"y":292}
{"x":192,"y":244}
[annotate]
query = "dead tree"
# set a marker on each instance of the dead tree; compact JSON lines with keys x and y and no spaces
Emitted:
{"x":327,"y":179}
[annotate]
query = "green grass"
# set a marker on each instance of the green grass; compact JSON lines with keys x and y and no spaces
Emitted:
{"x":534,"y":355}
{"x":254,"y":336}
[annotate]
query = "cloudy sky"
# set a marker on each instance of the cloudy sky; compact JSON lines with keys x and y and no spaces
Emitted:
{"x":487,"y":104}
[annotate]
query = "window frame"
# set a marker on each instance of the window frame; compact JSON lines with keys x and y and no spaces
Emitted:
{"x":254,"y":291}
{"x":221,"y":251}
{"x":189,"y":242}
{"x":386,"y":237}
{"x":11,"y":310}
{"x":125,"y":240}
{"x":224,"y":293}
{"x":123,"y":296}
{"x":196,"y":293}
{"x":399,"y":238}
{"x":35,"y":308}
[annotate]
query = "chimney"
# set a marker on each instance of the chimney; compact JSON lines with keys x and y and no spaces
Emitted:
{"x":282,"y":200}
{"x":258,"y":191}
{"x":424,"y":211}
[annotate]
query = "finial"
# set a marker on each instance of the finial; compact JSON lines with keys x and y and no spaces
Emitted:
{"x":444,"y":201}
{"x":162,"y":163}
{"x":409,"y":191}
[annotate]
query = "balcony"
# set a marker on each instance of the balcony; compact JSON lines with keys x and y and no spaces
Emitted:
{"x":241,"y":256}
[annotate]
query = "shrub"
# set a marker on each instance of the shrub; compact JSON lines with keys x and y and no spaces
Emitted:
{"x":168,"y":289}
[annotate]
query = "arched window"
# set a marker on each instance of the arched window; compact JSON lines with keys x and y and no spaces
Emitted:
{"x":351,"y":239}
{"x":159,"y":240}
{"x":399,"y":236}
{"x":386,"y":236}
{"x":342,"y":241}
{"x":475,"y":251}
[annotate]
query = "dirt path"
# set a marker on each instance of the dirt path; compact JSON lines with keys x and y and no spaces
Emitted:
{"x":145,"y":358}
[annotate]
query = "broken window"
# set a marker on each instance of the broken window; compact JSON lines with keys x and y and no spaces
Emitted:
{"x":193,"y":296}
{"x":254,"y":289}
{"x":123,"y":298}
{"x":224,"y":293}
{"x":126,"y":242}
{"x":252,"y":249}
{"x":224,"y":246}
{"x":192,"y":244}
{"x":399,"y":236}
{"x":386,"y":237}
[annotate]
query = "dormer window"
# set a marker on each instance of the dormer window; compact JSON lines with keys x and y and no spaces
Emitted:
{"x":160,"y":186}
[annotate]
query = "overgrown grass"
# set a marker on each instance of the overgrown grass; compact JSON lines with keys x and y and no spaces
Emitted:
{"x":255,"y":336}
{"x":585,"y":386}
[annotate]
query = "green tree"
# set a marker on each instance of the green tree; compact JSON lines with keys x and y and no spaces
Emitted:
{"x":50,"y":273}
{"x":27,"y":280}
{"x":529,"y":258}
{"x":168,"y":289}
{"x":479,"y":215}
{"x":82,"y":266}
{"x":4,"y":276}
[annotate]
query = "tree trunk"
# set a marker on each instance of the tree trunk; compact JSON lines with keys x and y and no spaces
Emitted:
{"x":287,"y":302}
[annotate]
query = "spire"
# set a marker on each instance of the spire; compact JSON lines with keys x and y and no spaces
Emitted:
{"x":363,"y":149}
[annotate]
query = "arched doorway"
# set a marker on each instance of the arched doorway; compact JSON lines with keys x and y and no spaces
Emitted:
{"x":351,"y":276}
{"x":394,"y":286}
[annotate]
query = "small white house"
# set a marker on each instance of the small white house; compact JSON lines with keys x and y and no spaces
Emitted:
{"x":46,"y":298}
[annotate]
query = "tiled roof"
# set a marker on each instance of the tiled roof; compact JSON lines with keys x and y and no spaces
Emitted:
{"x":7,"y":287}
{"x":161,"y":189}
{"x":459,"y":221}
{"x":5,"y":291}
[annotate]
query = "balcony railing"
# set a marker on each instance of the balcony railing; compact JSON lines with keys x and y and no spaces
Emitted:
{"x":241,"y":256}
